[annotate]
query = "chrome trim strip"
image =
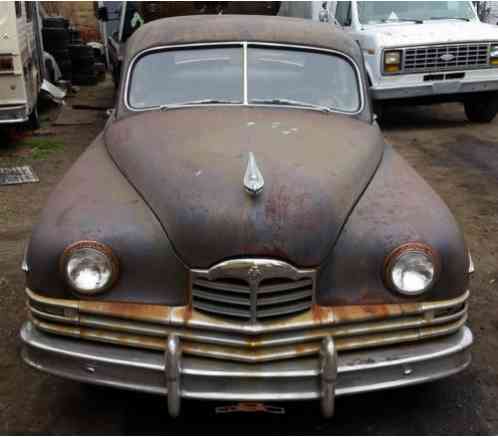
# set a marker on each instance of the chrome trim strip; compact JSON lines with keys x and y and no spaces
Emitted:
{"x":244,"y":51}
{"x":244,"y":45}
{"x":251,"y":351}
{"x":184,"y":317}
{"x":471,"y":264}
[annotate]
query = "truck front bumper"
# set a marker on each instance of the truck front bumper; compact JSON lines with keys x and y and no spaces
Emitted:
{"x":428,"y":89}
{"x":306,"y":378}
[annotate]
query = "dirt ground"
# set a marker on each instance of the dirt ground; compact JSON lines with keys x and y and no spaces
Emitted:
{"x":459,"y":160}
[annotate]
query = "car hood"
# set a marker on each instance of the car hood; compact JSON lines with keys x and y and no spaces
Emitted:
{"x":432,"y":32}
{"x":188,"y":164}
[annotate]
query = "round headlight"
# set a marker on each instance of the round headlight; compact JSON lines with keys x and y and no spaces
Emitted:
{"x":89,"y":267}
{"x":411,"y":269}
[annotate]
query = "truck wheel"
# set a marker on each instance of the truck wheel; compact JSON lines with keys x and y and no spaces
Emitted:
{"x":481,"y":109}
{"x":33,"y":122}
{"x":379,"y":110}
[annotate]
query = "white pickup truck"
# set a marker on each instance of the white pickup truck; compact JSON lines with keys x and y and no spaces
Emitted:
{"x":429,"y":51}
{"x":419,"y":51}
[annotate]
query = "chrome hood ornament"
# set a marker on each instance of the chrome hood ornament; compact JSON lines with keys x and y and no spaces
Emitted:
{"x":253,"y":179}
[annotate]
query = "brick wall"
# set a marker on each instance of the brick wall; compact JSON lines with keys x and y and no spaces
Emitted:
{"x":81,"y":14}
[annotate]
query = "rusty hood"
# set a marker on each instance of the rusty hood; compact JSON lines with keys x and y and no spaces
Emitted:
{"x":188,"y":164}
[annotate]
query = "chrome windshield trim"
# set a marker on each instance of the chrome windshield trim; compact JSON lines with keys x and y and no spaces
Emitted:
{"x":244,"y":45}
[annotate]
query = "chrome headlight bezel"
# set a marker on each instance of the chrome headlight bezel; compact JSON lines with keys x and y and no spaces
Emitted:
{"x":424,"y":251}
{"x":99,"y":250}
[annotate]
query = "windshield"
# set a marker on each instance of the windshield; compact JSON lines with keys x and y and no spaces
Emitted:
{"x":301,"y":76}
{"x":215,"y":74}
{"x":184,"y":75}
{"x":374,"y":12}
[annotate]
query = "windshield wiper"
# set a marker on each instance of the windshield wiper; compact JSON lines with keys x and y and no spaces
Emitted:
{"x":449,"y":18}
{"x":403,"y":20}
{"x":198,"y":102}
{"x":291,"y":102}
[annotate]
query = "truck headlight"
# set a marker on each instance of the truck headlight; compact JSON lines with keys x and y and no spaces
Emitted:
{"x":89,"y":267}
{"x":392,"y":61}
{"x":411,"y":269}
{"x":493,"y":55}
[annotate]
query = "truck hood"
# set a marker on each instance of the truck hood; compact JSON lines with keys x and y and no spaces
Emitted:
{"x":188,"y":164}
{"x":431,"y":32}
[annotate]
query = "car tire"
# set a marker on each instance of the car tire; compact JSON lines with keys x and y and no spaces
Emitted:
{"x":481,"y":109}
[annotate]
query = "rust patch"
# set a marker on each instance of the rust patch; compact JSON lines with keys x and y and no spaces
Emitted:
{"x":132,"y":311}
{"x":322,"y":314}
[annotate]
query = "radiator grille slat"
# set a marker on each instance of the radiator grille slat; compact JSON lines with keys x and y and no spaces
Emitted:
{"x":287,"y":297}
{"x":222,"y":309}
{"x":219,"y":297}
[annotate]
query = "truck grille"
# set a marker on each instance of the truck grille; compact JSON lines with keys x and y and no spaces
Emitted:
{"x":446,"y":57}
{"x":254,"y":291}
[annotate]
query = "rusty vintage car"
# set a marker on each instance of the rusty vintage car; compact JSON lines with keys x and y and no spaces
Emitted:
{"x":240,"y":231}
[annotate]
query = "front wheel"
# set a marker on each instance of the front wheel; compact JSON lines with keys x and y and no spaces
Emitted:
{"x":481,"y":108}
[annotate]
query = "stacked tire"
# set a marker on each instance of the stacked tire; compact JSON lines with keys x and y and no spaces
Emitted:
{"x":83,"y":60}
{"x":56,"y":38}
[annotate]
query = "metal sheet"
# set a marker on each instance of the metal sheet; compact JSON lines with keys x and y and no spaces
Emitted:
{"x":17,"y":175}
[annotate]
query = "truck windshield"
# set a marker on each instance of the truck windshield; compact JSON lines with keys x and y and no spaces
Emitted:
{"x":374,"y":12}
{"x":216,"y":75}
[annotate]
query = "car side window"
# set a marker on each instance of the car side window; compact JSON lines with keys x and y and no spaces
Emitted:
{"x":343,"y":13}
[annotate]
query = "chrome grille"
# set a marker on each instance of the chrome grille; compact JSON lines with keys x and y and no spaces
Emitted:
{"x":432,"y":58}
{"x":253,"y":290}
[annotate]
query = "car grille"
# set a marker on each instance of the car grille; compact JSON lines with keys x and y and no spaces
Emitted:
{"x":432,"y":58}
{"x":245,"y":295}
{"x":273,"y":298}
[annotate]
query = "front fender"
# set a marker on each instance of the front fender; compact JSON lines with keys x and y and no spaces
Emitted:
{"x":94,"y":201}
{"x":397,"y":207}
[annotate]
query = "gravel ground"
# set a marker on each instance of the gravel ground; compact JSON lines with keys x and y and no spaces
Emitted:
{"x":459,"y":160}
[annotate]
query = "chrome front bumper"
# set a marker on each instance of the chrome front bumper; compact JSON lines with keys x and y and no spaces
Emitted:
{"x":323,"y":377}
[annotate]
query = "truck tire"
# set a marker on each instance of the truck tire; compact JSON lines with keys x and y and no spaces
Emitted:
{"x":55,"y":38}
{"x":56,"y":22}
{"x":481,"y":108}
{"x":81,"y":52}
{"x":84,"y":79}
{"x":378,"y":110}
{"x":33,"y":122}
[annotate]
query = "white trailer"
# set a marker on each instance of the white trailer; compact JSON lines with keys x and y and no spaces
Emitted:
{"x":21,"y":62}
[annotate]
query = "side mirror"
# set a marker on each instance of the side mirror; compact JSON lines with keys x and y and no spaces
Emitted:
{"x":102,"y":14}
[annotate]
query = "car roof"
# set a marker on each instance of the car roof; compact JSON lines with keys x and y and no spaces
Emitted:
{"x":223,"y":28}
